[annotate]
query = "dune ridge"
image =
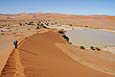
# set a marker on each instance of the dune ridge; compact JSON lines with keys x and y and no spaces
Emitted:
{"x":38,"y":56}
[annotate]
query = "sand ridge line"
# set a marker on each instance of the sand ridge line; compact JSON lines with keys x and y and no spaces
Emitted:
{"x":21,"y":41}
{"x":13,"y":66}
{"x":19,"y":66}
{"x":51,"y":61}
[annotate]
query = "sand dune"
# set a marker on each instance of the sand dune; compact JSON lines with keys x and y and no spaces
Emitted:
{"x":93,"y":21}
{"x":5,"y":51}
{"x":39,"y":56}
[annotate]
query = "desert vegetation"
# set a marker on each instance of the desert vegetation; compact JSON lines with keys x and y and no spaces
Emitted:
{"x":82,"y":47}
{"x":98,"y":49}
{"x":95,"y":48}
{"x":66,"y":38}
{"x":61,"y":31}
{"x":23,"y":27}
{"x":92,"y":48}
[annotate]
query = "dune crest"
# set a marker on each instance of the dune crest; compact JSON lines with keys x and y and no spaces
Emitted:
{"x":39,"y":56}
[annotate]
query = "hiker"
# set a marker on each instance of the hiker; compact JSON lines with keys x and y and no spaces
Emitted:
{"x":15,"y":42}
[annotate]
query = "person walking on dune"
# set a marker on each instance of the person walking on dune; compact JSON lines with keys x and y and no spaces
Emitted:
{"x":15,"y":43}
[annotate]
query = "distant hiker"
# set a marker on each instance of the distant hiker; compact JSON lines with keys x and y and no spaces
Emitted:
{"x":15,"y":42}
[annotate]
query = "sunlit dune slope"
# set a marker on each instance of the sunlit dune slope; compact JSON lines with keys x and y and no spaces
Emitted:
{"x":38,"y":56}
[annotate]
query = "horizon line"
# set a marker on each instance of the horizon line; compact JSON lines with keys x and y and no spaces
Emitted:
{"x":95,"y":14}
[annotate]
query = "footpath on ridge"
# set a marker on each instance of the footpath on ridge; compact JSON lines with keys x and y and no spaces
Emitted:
{"x":38,"y":56}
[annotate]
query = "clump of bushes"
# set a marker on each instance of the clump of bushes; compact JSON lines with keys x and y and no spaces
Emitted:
{"x":38,"y":27}
{"x":70,"y":25}
{"x":95,"y":48}
{"x":20,"y":24}
{"x":2,"y":33}
{"x":61,"y":31}
{"x":66,"y":38}
{"x":98,"y":49}
{"x":29,"y":29}
{"x":31,"y":23}
{"x":82,"y":47}
{"x":86,"y":26}
{"x":92,"y":48}
{"x":45,"y":27}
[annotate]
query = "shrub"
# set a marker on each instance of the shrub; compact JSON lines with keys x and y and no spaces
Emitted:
{"x":61,"y":31}
{"x":86,"y":26}
{"x":41,"y":24}
{"x":37,"y":27}
{"x":2,"y":33}
{"x":82,"y":47}
{"x":45,"y":27}
{"x":66,"y":38}
{"x":31,"y":23}
{"x":70,"y":24}
{"x":21,"y":24}
{"x":47,"y":24}
{"x":1,"y":26}
{"x":56,"y":23}
{"x":92,"y":48}
{"x":98,"y":49}
{"x":29,"y":29}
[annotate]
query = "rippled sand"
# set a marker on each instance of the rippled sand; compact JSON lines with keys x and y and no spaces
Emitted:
{"x":43,"y":55}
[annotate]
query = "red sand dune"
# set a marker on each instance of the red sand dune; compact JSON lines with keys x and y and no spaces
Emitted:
{"x":93,"y":21}
{"x":38,"y":56}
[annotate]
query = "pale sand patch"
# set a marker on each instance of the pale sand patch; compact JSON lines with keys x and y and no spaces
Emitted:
{"x":110,"y":49}
{"x":5,"y":52}
{"x":43,"y":31}
{"x":71,"y":53}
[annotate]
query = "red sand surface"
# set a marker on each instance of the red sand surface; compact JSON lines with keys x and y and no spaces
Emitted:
{"x":5,"y":51}
{"x":38,"y":56}
{"x":91,"y":21}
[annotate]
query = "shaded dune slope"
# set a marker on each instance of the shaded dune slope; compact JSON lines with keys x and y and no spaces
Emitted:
{"x":38,"y":56}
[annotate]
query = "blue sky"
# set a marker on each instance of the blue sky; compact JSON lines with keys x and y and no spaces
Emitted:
{"x":82,"y":7}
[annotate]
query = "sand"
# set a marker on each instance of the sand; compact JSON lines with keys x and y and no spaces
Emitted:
{"x":5,"y":51}
{"x":39,"y":56}
{"x":46,"y":53}
{"x":6,"y":43}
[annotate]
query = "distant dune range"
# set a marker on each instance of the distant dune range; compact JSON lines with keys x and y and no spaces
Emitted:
{"x":39,"y":56}
{"x":93,"y":21}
